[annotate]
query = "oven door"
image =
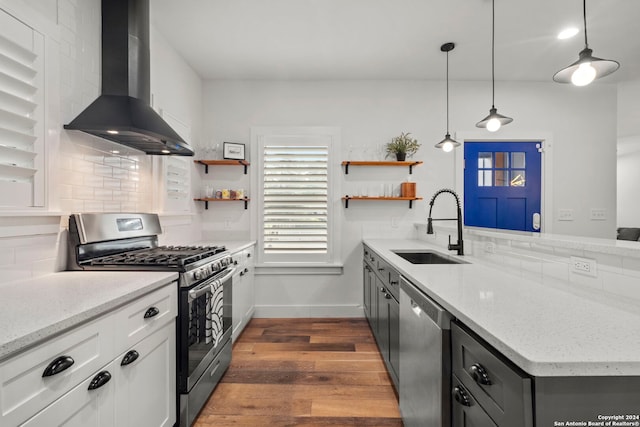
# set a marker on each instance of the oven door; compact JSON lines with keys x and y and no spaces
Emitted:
{"x":204,"y":326}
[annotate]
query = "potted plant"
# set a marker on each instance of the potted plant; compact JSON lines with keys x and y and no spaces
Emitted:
{"x":402,"y":146}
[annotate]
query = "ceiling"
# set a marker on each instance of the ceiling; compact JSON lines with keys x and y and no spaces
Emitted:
{"x":395,"y":39}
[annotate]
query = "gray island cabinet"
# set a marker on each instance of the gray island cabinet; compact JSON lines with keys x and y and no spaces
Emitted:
{"x":494,"y":383}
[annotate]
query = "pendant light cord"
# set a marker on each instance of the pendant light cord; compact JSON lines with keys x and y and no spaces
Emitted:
{"x":584,"y":15}
{"x":447,"y":92}
{"x":493,"y":47}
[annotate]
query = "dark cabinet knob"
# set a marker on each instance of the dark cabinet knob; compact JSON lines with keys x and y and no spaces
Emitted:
{"x":461,"y":396}
{"x":387,"y":296}
{"x":99,"y":380}
{"x":151,"y":312}
{"x":58,"y":365}
{"x":479,"y":374}
{"x":129,"y":358}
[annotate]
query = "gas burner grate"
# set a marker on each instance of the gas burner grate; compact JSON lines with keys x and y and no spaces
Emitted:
{"x":171,"y":256}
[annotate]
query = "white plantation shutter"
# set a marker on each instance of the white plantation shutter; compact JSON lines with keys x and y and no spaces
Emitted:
{"x":295,"y":206}
{"x":21,"y":114}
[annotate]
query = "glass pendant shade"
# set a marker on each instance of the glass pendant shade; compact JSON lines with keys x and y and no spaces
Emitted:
{"x":586,"y":69}
{"x":494,"y":121}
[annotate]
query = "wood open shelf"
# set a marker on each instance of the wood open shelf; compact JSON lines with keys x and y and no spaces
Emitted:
{"x":348,"y":163}
{"x":409,"y":199}
{"x":206,"y":201}
{"x":225,"y":162}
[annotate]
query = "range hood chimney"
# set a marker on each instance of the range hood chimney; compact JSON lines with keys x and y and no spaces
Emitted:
{"x":122,"y":113}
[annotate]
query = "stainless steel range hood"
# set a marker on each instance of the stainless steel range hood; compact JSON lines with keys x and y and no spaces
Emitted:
{"x":122,"y":113}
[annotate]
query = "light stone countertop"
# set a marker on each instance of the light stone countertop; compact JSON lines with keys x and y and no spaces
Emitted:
{"x":546,"y":330}
{"x":35,"y":309}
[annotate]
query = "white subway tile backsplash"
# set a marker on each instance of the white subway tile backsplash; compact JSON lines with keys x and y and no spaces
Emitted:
{"x":94,"y":206}
{"x":83,"y":193}
{"x":112,"y":206}
{"x":103,"y":194}
{"x":113,"y":184}
{"x":103,"y":170}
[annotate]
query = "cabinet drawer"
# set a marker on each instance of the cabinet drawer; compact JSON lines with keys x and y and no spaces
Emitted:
{"x":145,"y":315}
{"x":24,"y":390}
{"x":501,"y":389}
{"x":81,"y":406}
{"x":466,"y":412}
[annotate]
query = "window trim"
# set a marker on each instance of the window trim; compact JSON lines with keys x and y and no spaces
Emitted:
{"x":259,"y":135}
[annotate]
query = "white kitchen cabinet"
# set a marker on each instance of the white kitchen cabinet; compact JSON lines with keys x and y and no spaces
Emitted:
{"x":243,"y":290}
{"x":140,"y":393}
{"x":146,"y":386}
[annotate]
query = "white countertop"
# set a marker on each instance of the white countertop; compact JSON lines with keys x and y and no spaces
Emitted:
{"x":543,"y":329}
{"x":33,"y":310}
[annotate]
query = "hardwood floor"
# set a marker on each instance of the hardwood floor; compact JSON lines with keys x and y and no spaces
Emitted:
{"x":304,"y":372}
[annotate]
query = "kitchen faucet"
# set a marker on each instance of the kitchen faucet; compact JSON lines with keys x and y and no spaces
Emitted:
{"x":459,"y":246}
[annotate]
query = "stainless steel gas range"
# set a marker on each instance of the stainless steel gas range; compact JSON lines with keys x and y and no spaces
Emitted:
{"x":123,"y":241}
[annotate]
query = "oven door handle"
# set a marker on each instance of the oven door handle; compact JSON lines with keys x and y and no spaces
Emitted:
{"x":228,"y":275}
{"x":206,"y":287}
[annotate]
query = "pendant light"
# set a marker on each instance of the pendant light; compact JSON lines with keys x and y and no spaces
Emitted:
{"x":587,"y":68}
{"x":447,"y":144}
{"x":493,"y":121}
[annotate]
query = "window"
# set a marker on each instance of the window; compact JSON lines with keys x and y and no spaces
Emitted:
{"x":21,"y":114}
{"x":295,"y":207}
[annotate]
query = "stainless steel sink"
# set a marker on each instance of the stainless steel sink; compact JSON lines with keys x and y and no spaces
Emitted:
{"x":428,"y":257}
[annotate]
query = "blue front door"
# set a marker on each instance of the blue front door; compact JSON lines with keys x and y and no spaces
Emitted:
{"x":502,"y":185}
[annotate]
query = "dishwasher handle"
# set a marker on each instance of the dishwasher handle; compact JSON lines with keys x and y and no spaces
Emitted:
{"x":420,"y":303}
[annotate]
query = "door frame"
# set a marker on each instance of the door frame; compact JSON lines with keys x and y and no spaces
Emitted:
{"x":546,"y":138}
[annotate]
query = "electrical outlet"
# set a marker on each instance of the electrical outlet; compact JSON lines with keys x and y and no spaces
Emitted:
{"x":598,"y":214}
{"x":565,"y":214}
{"x":490,"y":248}
{"x":584,"y":266}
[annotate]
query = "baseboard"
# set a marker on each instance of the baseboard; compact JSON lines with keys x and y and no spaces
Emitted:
{"x":301,"y":311}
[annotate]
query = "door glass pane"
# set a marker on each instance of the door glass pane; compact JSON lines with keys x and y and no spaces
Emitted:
{"x":484,"y":161}
{"x":502,"y":178}
{"x":502,"y":160}
{"x":518,"y":178}
{"x":518,"y":160}
{"x":485,"y":178}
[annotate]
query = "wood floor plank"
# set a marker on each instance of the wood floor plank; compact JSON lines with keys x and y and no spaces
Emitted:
{"x":304,"y":372}
{"x":296,"y":346}
{"x":294,"y":377}
{"x":354,"y":408}
{"x":281,"y":421}
{"x":305,"y":391}
{"x":306,"y":355}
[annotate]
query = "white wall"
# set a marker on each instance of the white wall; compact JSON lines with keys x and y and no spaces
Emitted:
{"x":370,"y":113}
{"x":628,"y":154}
{"x":83,"y":173}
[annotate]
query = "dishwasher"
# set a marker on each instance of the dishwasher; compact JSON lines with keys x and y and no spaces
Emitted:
{"x":425,"y":362}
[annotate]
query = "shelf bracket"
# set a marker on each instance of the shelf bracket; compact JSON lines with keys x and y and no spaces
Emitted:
{"x":245,"y":202}
{"x":206,"y":168}
{"x":410,"y":169}
{"x":206,"y":204}
{"x":346,"y":168}
{"x":410,"y":204}
{"x":346,"y":203}
{"x":245,"y":171}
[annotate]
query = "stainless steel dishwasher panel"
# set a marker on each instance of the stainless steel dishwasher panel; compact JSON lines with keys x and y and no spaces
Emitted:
{"x":425,"y":367}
